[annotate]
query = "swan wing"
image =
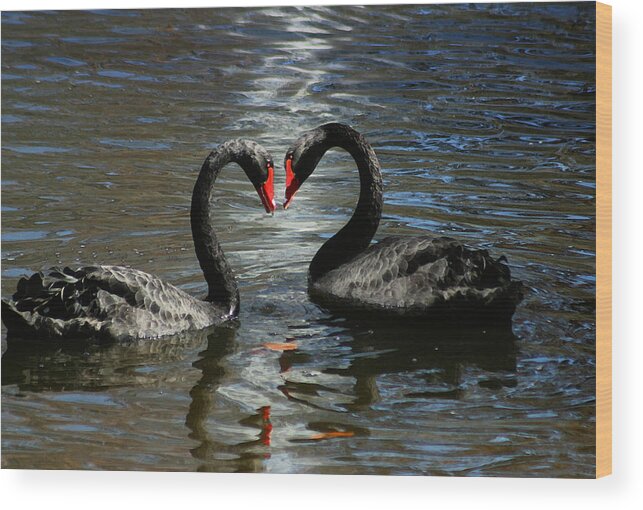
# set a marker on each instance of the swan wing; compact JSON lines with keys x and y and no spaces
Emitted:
{"x":113,"y":301}
{"x":412,"y":275}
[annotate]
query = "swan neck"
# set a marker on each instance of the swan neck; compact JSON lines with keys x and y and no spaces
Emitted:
{"x":357,"y":234}
{"x":222,"y":287}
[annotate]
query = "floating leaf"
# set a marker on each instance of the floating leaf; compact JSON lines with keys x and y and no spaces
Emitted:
{"x":274,"y":346}
{"x":332,"y":434}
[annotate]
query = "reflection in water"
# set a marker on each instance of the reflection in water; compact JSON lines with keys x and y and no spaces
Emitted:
{"x":85,"y":365}
{"x":216,"y":455}
{"x":436,"y":353}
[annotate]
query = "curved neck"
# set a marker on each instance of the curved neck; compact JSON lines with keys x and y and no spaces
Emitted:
{"x":356,"y":235}
{"x":222,"y":288}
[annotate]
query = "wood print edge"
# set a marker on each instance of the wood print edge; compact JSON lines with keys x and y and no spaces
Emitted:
{"x":603,"y":240}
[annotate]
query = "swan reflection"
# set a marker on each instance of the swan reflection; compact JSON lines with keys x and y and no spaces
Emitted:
{"x":217,"y":454}
{"x":427,"y":359}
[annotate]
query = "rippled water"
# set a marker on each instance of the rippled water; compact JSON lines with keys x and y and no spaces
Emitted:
{"x":483,"y":119}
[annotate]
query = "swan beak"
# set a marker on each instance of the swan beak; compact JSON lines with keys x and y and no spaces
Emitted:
{"x":266,"y":192}
{"x":292,"y":184}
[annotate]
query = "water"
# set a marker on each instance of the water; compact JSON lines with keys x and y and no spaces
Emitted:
{"x":483,"y":119}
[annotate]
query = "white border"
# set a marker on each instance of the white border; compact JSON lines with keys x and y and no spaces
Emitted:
{"x":74,"y":489}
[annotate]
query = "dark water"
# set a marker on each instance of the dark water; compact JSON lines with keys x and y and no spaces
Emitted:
{"x":483,"y":119}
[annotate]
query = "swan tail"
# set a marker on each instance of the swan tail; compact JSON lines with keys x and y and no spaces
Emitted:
{"x":50,"y":306}
{"x":14,"y":319}
{"x":34,"y":325}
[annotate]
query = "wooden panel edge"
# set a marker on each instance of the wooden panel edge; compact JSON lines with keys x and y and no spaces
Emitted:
{"x":603,"y":240}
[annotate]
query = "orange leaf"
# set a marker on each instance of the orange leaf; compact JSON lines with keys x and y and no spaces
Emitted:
{"x":329,"y":435}
{"x":280,"y":346}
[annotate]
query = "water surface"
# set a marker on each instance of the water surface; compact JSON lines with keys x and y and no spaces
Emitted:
{"x":483,"y":119}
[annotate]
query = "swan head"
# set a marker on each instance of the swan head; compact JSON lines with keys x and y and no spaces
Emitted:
{"x":302,"y":159}
{"x":266,"y":189}
{"x":258,"y":165}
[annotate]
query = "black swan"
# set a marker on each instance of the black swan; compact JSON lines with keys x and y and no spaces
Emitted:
{"x":120,"y":303}
{"x":418,"y":276}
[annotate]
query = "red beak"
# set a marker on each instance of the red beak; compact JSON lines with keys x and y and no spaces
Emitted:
{"x":292,"y":183}
{"x":266,"y":192}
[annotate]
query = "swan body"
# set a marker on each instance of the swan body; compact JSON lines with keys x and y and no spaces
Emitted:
{"x":106,"y":301}
{"x":121,"y":303}
{"x":420,"y":276}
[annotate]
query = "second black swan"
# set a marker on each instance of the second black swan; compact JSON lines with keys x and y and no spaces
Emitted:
{"x":404,"y":276}
{"x":119,"y":303}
